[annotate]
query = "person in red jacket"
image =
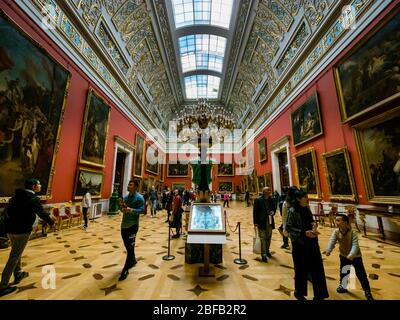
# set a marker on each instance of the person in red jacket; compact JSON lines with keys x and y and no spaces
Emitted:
{"x":177,"y":213}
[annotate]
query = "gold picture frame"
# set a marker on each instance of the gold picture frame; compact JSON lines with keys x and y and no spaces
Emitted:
{"x":21,"y":50}
{"x":138,"y":158}
{"x":88,"y":178}
{"x":139,"y":180}
{"x":363,"y":87}
{"x":377,"y":146}
{"x":225,"y":186}
{"x":339,"y":175}
{"x":261,"y":183}
{"x":306,"y":121}
{"x":145,"y":185}
{"x":179,"y":170}
{"x":268,"y":180}
{"x":94,"y":134}
{"x":178,"y":185}
{"x":307,"y":177}
{"x":151,"y":168}
{"x":225,"y":170}
{"x":262,"y":150}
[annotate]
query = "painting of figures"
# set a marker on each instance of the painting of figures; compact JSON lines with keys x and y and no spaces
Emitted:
{"x":369,"y":75}
{"x":225,"y":169}
{"x":225,"y":186}
{"x":262,"y":150}
{"x":307,"y":173}
{"x":306,"y":121}
{"x":378,"y":142}
{"x":261,"y":183}
{"x":94,"y":133}
{"x":137,"y":166}
{"x":178,"y":170}
{"x":339,"y":175}
{"x":33,"y":91}
{"x":88,"y":179}
{"x":151,"y":159}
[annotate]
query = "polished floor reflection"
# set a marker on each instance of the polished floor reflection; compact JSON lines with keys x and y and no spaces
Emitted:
{"x":88,"y":264}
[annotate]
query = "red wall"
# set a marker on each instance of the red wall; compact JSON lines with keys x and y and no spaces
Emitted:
{"x":335,"y":134}
{"x":67,"y":157}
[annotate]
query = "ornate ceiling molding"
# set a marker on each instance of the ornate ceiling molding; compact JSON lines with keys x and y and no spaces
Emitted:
{"x":281,"y":33}
{"x":117,"y":39}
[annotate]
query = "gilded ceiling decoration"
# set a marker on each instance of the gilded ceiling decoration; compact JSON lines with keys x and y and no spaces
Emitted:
{"x":268,"y":38}
{"x":281,"y":30}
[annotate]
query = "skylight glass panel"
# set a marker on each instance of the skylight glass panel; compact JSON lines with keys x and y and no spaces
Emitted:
{"x":202,"y":86}
{"x":202,"y":51}
{"x":214,"y":12}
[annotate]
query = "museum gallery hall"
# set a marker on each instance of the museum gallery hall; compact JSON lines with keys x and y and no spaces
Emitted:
{"x":199,"y":150}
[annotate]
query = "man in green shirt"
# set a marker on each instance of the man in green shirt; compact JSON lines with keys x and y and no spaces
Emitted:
{"x":131,"y":206}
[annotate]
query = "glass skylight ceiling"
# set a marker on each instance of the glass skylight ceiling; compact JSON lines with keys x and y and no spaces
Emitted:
{"x":202,"y":51}
{"x":214,"y":12}
{"x":202,"y":86}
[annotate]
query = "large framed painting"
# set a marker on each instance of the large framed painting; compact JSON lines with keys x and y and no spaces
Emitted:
{"x":179,"y":185}
{"x":252,"y":182}
{"x":138,"y":163}
{"x":250,"y":160}
{"x":261,"y":183}
{"x":306,"y":121}
{"x":378,"y":143}
{"x":162,"y":168}
{"x":33,"y":93}
{"x":339,"y":176}
{"x":206,"y":218}
{"x":145,"y":185}
{"x":88,"y":179}
{"x":94,"y":132}
{"x":225,"y":186}
{"x":178,"y":170}
{"x":225,"y":170}
{"x":139,"y":180}
{"x":268,"y":180}
{"x":151,"y":159}
{"x":368,"y":76}
{"x":262,"y":150}
{"x":162,"y":173}
{"x":307,"y":173}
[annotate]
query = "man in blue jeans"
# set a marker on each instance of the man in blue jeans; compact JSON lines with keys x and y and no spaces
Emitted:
{"x":131,"y":206}
{"x":21,"y":215}
{"x":153,"y":201}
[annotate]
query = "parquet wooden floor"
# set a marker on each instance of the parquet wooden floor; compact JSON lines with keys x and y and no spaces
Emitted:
{"x":88,"y":264}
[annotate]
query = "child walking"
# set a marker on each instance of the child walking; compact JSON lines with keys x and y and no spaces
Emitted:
{"x":350,"y":254}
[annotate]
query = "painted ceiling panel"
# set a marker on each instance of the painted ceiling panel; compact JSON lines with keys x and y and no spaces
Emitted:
{"x":167,"y":51}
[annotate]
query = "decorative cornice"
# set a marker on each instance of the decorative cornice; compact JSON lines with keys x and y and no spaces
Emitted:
{"x":236,"y":45}
{"x":162,"y":19}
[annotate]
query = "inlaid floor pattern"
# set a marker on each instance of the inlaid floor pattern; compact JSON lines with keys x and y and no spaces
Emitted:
{"x":88,"y":264}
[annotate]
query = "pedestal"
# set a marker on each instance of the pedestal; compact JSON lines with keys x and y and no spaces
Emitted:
{"x":205,"y":271}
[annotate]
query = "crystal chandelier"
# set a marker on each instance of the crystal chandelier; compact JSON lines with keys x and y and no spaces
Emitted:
{"x":203,"y":116}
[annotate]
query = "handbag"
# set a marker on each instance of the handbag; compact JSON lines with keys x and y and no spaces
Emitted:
{"x":256,"y":242}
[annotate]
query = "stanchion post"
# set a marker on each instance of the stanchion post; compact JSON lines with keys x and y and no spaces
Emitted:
{"x":169,"y":256}
{"x":227,"y":233}
{"x":240,"y":260}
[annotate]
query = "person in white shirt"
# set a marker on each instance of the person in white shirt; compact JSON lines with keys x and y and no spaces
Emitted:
{"x":86,"y":204}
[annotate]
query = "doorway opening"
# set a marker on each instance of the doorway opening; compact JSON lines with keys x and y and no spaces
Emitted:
{"x":119,"y":172}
